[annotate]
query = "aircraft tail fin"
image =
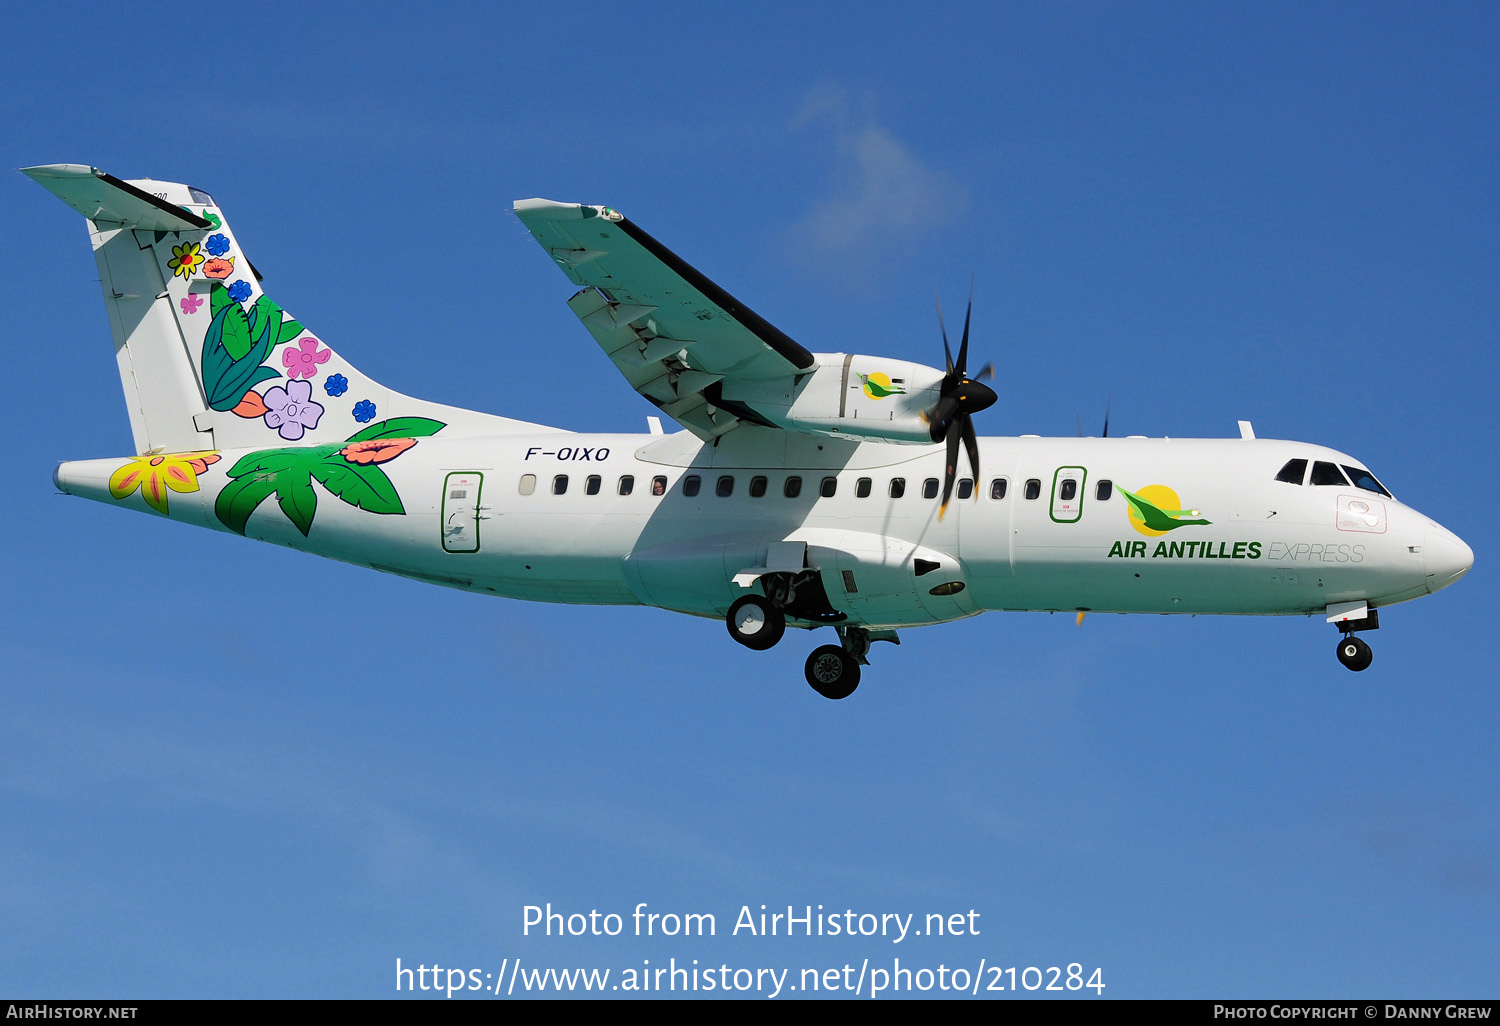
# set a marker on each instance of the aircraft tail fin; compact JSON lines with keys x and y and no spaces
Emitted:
{"x":206,"y":358}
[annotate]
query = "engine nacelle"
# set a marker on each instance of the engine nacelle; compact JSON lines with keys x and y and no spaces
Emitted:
{"x":845,"y":395}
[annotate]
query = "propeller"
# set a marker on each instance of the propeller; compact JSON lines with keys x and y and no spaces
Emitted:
{"x":959,"y":398}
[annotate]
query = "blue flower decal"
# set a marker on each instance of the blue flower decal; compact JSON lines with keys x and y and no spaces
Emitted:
{"x":336,"y":385}
{"x":239,"y":291}
{"x":364,"y":411}
{"x":217,"y":245}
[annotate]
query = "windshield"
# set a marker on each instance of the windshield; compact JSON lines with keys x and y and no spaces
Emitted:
{"x":1364,"y":479}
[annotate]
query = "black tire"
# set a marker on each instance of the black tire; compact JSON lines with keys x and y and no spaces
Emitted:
{"x":1354,"y":654}
{"x":755,"y":623}
{"x":832,"y":672}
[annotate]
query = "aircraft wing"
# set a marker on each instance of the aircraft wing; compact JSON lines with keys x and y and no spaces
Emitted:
{"x":676,"y":336}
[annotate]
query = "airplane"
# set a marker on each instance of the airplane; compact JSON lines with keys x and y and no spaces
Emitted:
{"x":803,"y":490}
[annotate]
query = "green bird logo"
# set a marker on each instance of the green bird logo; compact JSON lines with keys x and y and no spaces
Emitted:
{"x":878,"y":386}
{"x":1153,"y":511}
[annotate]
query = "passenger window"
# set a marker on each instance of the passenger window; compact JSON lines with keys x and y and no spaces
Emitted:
{"x":898,"y":487}
{"x":591,"y":486}
{"x":658,"y":485}
{"x":793,"y":487}
{"x":1293,"y":472}
{"x":725,"y":487}
{"x":1033,"y":488}
{"x":862,"y":488}
{"x":930,"y":488}
{"x":757,"y":486}
{"x":1364,"y":479}
{"x":828,"y":487}
{"x":966,"y":488}
{"x":691,"y":484}
{"x":1069,"y":490}
{"x":528,"y":484}
{"x":627,"y":484}
{"x":560,"y":484}
{"x":1327,"y":474}
{"x":1103,"y":490}
{"x":997,"y":488}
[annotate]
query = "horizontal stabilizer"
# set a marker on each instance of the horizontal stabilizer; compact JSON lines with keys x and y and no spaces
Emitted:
{"x":100,"y":196}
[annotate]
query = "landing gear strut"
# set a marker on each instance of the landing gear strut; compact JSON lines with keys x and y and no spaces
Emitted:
{"x":1352,"y":652}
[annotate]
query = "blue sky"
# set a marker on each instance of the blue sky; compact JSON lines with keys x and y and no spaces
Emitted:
{"x":234,"y":770}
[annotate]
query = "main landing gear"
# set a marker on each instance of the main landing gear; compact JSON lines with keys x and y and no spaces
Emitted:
{"x":1352,"y":652}
{"x":758,"y":622}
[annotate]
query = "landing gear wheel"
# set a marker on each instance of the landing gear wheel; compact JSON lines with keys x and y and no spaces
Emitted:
{"x":832,"y":672}
{"x":1353,"y":653}
{"x":755,"y":623}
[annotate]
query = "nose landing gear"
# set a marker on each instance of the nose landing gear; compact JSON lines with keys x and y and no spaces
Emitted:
{"x":1352,"y":652}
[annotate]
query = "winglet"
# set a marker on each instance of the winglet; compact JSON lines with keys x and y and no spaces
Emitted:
{"x":100,"y":196}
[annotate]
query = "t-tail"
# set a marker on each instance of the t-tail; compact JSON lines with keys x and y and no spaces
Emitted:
{"x":207,"y":359}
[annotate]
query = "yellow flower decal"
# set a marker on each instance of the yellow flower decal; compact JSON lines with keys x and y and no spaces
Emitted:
{"x":156,"y":475}
{"x":185,"y":260}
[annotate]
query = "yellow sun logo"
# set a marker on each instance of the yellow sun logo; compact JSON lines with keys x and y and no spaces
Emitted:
{"x":1156,"y":509}
{"x":878,"y":386}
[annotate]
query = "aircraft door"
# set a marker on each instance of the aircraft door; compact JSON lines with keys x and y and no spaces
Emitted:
{"x":462,"y":512}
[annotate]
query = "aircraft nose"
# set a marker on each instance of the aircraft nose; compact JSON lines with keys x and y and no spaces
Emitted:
{"x":1446,"y":556}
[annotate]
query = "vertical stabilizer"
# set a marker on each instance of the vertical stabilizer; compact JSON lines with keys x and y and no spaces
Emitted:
{"x":206,"y":358}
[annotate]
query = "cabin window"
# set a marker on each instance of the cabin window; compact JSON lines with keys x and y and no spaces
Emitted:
{"x":965,"y":488}
{"x":1293,"y":472}
{"x":560,"y":484}
{"x":828,"y":487}
{"x":691,"y":484}
{"x":998,"y":488}
{"x":1103,"y":490}
{"x":930,"y":488}
{"x":1034,"y":488}
{"x":862,"y":488}
{"x":757,"y":486}
{"x":793,"y":487}
{"x":725,"y":488}
{"x":1327,"y":474}
{"x":528,"y":484}
{"x":1069,"y":490}
{"x":1364,"y":479}
{"x":592,"y":485}
{"x":659,"y":485}
{"x":898,"y":487}
{"x":626,"y":485}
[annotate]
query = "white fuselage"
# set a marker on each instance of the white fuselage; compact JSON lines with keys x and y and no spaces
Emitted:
{"x":490,"y":515}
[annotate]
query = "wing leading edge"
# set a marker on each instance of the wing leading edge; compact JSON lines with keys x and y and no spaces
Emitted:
{"x":676,"y":336}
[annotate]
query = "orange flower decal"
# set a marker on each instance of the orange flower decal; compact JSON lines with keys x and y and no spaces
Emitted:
{"x":376,"y":450}
{"x":185,"y":260}
{"x":157,"y":475}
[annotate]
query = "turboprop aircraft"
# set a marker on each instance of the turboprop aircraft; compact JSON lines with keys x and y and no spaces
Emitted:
{"x":805,"y":489}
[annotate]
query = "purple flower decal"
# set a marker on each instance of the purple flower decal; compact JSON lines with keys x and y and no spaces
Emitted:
{"x":217,"y":245}
{"x":291,"y":409}
{"x":190,"y":303}
{"x":239,"y":291}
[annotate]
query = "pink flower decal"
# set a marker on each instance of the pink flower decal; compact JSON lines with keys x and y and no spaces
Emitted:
{"x":291,"y":410}
{"x":377,"y":450}
{"x":303,"y":361}
{"x":190,"y":304}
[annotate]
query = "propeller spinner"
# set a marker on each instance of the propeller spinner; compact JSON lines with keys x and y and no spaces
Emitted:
{"x":960,"y":397}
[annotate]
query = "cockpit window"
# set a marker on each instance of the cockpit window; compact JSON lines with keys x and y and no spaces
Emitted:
{"x":1364,"y":479}
{"x":1327,"y":474}
{"x":1293,"y":472}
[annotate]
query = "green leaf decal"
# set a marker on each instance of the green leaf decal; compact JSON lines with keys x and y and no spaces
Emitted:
{"x":239,"y":499}
{"x":236,"y":346}
{"x":398,"y":427}
{"x":366,"y":487}
{"x":236,"y":335}
{"x":298,"y":501}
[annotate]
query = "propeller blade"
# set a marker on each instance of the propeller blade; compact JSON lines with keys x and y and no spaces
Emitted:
{"x":985,"y":373}
{"x":1079,"y":418}
{"x":1109,"y":398}
{"x":971,"y":445}
{"x":951,"y":470}
{"x":1080,"y":620}
{"x":947,"y":353}
{"x":963,"y":347}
